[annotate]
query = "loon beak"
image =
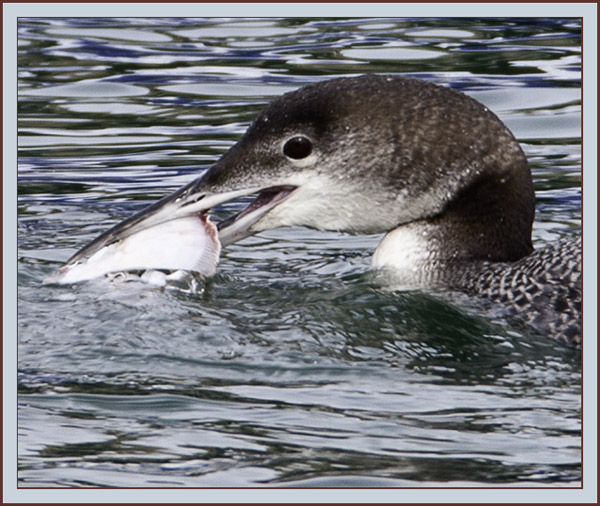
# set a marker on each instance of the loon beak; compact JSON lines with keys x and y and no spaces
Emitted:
{"x":193,"y":200}
{"x":240,"y":225}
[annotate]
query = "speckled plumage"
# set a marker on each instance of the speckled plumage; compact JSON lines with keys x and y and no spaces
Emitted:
{"x":542,"y":289}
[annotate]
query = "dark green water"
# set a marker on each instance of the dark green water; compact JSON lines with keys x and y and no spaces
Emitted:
{"x":291,"y":367}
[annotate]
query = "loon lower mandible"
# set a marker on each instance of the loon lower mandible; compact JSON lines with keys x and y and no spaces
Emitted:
{"x":434,"y":169}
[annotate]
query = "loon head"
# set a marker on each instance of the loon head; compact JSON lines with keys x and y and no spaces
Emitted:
{"x":368,"y":154}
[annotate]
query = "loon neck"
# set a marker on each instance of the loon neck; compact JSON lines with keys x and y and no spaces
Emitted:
{"x":488,"y":221}
{"x":491,"y":219}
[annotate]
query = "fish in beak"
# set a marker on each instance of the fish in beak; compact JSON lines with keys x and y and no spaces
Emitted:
{"x":174,"y":234}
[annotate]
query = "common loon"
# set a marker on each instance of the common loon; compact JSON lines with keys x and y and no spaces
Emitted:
{"x":434,"y":169}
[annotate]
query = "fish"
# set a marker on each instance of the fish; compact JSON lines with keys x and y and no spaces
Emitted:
{"x":190,"y":243}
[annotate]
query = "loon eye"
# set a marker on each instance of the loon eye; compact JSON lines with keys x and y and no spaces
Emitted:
{"x":298,"y":147}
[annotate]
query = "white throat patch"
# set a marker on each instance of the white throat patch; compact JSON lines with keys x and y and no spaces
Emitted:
{"x":405,"y":249}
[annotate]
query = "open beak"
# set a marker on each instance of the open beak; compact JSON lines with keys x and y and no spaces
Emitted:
{"x":192,"y":200}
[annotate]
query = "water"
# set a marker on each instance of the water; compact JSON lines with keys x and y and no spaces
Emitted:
{"x":291,"y":367}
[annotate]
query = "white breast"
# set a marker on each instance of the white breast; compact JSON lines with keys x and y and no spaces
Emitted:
{"x":404,"y":249}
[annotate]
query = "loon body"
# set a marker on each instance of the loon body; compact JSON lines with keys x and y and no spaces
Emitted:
{"x":434,"y":169}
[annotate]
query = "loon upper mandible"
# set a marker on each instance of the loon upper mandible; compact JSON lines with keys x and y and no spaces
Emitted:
{"x":433,"y":168}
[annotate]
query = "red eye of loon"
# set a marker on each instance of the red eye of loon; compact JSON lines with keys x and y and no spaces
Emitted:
{"x":298,"y":147}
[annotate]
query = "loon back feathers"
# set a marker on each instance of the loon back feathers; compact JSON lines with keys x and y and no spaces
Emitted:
{"x":543,"y":289}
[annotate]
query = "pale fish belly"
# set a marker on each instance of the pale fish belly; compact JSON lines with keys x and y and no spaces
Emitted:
{"x":185,"y":244}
